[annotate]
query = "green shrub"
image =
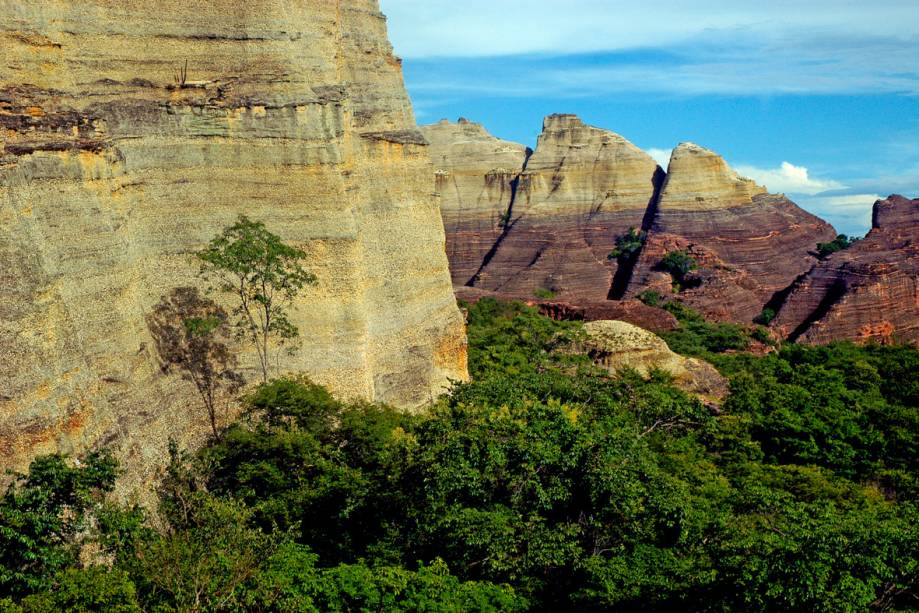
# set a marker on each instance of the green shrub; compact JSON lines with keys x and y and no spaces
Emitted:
{"x":697,"y":337}
{"x":91,"y":589}
{"x":651,"y":298}
{"x":544,"y":294}
{"x":628,"y":245}
{"x":678,"y":264}
{"x":42,"y":514}
{"x":841,"y":242}
{"x":765,"y":318}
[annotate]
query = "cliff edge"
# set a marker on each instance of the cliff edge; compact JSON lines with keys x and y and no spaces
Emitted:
{"x":133,"y":132}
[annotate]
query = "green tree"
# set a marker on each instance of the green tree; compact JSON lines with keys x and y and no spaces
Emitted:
{"x":79,"y":590}
{"x":628,"y":245}
{"x":841,"y":242}
{"x":42,"y":514}
{"x":190,"y":333}
{"x":264,"y":275}
{"x":765,"y":317}
{"x":679,"y":264}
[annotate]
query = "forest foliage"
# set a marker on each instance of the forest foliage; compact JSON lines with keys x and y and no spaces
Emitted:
{"x":543,"y":484}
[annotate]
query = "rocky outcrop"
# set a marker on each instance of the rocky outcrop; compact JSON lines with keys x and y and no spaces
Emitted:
{"x":616,"y":345}
{"x":561,"y":212}
{"x":748,"y":244}
{"x":547,"y":230}
{"x":869,"y":291}
{"x":476,"y":178}
{"x":118,"y":162}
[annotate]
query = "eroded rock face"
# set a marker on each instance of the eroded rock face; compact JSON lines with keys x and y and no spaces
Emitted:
{"x":580,"y":189}
{"x":476,"y":178}
{"x":749,"y":244}
{"x":115,"y":168}
{"x":546,"y":232}
{"x":867,"y":292}
{"x":617,"y":345}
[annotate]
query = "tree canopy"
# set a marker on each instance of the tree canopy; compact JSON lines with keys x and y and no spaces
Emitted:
{"x":543,"y":484}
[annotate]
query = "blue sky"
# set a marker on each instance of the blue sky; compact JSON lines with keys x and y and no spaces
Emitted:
{"x":817,"y":99}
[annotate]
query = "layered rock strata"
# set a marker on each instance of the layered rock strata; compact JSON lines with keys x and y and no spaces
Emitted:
{"x":869,"y":291}
{"x":131,"y":133}
{"x":476,"y":178}
{"x":748,"y":244}
{"x":547,"y":230}
{"x":580,"y":189}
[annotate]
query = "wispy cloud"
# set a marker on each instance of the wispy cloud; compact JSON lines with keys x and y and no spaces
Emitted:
{"x":736,"y":64}
{"x":476,"y":28}
{"x":850,"y":214}
{"x":706,"y":47}
{"x":789,"y":179}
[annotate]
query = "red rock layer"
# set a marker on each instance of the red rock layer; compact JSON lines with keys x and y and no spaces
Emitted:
{"x":749,"y":244}
{"x":869,"y":291}
{"x":476,"y":180}
{"x":580,"y":189}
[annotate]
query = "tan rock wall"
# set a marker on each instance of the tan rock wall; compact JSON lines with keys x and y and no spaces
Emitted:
{"x":476,"y":179}
{"x":111,"y":177}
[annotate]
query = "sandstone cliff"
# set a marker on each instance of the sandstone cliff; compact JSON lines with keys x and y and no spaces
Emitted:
{"x":115,"y":167}
{"x":867,"y":292}
{"x":476,"y":178}
{"x":749,"y":244}
{"x":547,"y":230}
{"x":561,"y":211}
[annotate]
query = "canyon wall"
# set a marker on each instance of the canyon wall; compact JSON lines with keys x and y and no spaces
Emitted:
{"x":477,"y":177}
{"x":116,"y":168}
{"x":748,"y":244}
{"x":546,"y":232}
{"x":559,"y":211}
{"x":869,"y":291}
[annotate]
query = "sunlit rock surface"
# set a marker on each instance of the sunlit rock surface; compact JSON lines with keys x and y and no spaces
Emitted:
{"x":869,"y":291}
{"x":749,"y":244}
{"x":116,"y":167}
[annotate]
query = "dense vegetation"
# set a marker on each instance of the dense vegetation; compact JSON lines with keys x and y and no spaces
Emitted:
{"x":544,"y":484}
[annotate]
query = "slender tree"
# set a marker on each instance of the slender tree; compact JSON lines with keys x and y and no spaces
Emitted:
{"x":190,"y":332}
{"x":264,"y":275}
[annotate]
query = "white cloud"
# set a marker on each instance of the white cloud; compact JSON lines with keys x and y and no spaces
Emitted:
{"x":661,"y":156}
{"x":788,"y":179}
{"x":429,"y":28}
{"x":850,"y":214}
{"x":705,"y":47}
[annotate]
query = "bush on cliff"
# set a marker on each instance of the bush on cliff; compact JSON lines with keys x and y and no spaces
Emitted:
{"x":841,"y":242}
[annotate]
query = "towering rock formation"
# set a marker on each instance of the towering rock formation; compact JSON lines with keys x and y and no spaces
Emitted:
{"x":117,"y":164}
{"x":476,"y":178}
{"x":562,"y":212}
{"x":869,"y":291}
{"x":749,"y":244}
